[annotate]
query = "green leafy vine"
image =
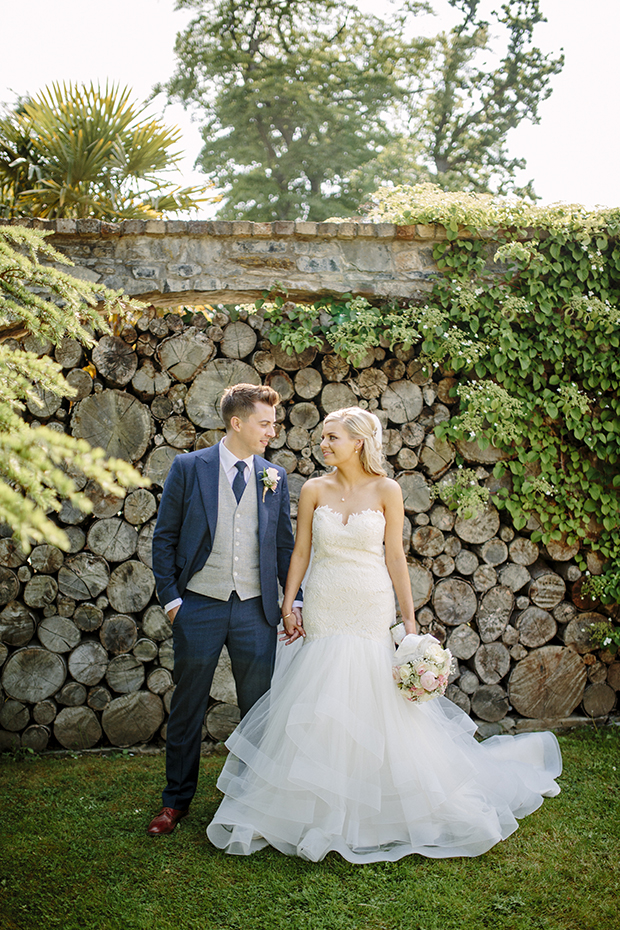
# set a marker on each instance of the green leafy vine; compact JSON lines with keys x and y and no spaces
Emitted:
{"x":525,"y":315}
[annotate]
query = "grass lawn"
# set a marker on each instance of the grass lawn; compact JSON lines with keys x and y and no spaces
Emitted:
{"x":74,"y":854}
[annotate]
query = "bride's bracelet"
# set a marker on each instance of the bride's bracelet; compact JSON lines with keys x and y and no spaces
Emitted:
{"x":286,"y":616}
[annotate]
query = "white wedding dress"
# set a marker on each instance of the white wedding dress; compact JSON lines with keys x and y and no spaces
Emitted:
{"x":334,"y":758}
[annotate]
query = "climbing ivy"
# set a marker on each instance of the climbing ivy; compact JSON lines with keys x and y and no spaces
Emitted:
{"x":525,"y":315}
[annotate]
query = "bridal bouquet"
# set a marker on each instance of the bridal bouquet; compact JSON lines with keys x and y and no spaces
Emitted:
{"x":421,"y":668}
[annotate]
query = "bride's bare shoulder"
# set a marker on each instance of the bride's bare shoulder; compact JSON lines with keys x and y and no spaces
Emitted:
{"x":312,"y":487}
{"x":389,"y":490}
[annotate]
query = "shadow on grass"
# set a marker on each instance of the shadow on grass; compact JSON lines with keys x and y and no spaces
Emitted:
{"x":74,"y":854}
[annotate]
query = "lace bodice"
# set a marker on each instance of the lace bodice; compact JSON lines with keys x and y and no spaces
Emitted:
{"x":349,"y":590}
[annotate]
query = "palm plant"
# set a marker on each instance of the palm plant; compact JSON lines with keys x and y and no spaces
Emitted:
{"x":83,"y":151}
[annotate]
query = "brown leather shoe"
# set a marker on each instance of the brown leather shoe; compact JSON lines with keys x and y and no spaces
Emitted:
{"x":165,"y":821}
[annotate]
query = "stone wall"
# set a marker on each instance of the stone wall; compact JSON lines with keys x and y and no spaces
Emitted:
{"x":85,"y":650}
{"x":168,"y":262}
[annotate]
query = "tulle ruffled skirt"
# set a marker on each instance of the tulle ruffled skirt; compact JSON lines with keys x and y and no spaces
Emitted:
{"x":334,"y":758}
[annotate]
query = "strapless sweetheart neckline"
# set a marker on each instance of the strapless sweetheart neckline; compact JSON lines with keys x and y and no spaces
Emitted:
{"x":358,"y":513}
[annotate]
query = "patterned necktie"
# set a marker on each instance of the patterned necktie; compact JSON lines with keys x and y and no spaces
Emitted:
{"x":238,"y":484}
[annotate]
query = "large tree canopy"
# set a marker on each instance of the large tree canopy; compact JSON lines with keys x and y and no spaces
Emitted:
{"x":309,"y":105}
{"x":77,"y":151}
{"x":294,"y":96}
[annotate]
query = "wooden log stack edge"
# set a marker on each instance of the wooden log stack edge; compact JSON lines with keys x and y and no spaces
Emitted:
{"x":86,"y":656}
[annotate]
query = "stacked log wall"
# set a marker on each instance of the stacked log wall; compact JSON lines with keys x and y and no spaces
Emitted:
{"x":86,"y":655}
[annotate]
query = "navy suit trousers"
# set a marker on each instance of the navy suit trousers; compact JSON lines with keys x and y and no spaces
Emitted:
{"x":202,"y":626}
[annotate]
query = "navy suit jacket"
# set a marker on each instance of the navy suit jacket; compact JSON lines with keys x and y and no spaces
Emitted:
{"x":187,"y":519}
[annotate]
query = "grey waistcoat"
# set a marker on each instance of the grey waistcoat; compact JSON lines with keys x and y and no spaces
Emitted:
{"x":233,"y":563}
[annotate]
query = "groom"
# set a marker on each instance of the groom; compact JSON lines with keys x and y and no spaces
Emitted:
{"x":223,"y":539}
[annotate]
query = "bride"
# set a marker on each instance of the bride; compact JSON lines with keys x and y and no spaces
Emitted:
{"x":333,"y":758}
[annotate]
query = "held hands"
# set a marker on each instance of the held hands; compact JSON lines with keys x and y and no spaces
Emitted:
{"x":293,"y":626}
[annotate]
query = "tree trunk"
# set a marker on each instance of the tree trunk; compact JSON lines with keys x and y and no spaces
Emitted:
{"x":308,"y":383}
{"x":416,"y":493}
{"x":155,"y":624}
{"x":598,"y":700}
{"x":202,"y":403}
{"x":133,"y":718}
{"x":40,"y":591}
{"x":335,"y":396}
{"x":492,"y":662}
{"x":427,"y":541}
{"x":118,"y":634}
{"x":179,"y":432}
{"x":130,"y":587}
{"x":125,"y":673}
{"x":467,"y":562}
{"x":458,"y":697}
{"x":36,"y":738}
{"x":87,"y":617}
{"x":88,"y":663}
{"x":58,"y":634}
{"x":9,"y":588}
{"x":547,"y":683}
{"x":282,"y":383}
{"x":72,"y":694}
{"x":238,"y":341}
{"x":478,"y":529}
{"x":296,"y":360}
{"x":523,"y":551}
{"x":263,"y":362}
{"x":490,"y":703}
{"x":402,"y":400}
{"x":463,"y":642}
{"x":114,"y":539}
{"x":494,"y":613}
{"x":304,"y":415}
{"x":77,"y":728}
{"x":148,"y":381}
{"x":98,"y":698}
{"x":454,"y":601}
{"x":46,"y":559}
{"x":421,"y":584}
{"x":115,"y":361}
{"x":536,"y":627}
{"x":493,"y":552}
{"x":185,"y":354}
{"x":14,"y":716}
{"x":221,"y":720}
{"x":159,"y":681}
{"x":17,"y":624}
{"x":577,"y":632}
{"x":514,"y":576}
{"x":84,"y":576}
{"x":145,"y":650}
{"x":33,"y":674}
{"x":44,"y":712}
{"x":115,"y":421}
{"x":139,"y":507}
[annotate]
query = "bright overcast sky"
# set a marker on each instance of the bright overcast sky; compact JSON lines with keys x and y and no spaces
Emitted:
{"x":571,"y":154}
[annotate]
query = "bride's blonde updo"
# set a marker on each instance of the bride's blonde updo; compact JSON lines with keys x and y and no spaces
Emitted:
{"x":361,"y":424}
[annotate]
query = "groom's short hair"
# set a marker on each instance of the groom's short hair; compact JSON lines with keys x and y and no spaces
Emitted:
{"x":240,"y":400}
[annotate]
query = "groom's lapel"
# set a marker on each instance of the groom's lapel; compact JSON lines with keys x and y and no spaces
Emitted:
{"x":208,"y":480}
{"x":263,"y":505}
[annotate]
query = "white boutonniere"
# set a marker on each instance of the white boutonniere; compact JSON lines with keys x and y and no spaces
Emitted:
{"x":270,"y":479}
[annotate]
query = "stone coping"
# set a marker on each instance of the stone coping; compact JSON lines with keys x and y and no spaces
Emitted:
{"x":279,"y":229}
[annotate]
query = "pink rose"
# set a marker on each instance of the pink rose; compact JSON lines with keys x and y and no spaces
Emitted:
{"x":428,"y":681}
